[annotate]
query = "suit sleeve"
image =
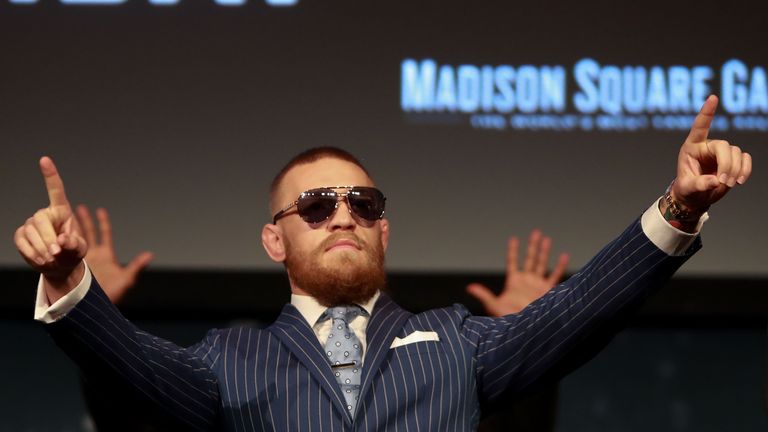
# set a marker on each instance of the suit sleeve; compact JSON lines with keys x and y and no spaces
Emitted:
{"x":517,"y":350}
{"x":178,"y":385}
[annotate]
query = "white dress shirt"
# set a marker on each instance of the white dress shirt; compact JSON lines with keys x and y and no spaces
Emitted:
{"x":311,"y":310}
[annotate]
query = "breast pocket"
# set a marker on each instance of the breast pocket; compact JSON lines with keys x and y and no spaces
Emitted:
{"x":419,"y":348}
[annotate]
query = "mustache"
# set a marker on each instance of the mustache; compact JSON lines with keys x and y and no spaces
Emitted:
{"x":333,"y":238}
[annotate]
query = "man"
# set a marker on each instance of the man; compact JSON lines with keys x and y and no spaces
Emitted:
{"x":523,"y":284}
{"x":391,"y":369}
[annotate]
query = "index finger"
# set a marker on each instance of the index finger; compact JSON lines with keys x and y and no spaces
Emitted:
{"x":703,"y":121}
{"x":53,"y":182}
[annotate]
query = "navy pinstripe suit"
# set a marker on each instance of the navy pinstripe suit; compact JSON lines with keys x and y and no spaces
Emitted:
{"x":245,"y":379}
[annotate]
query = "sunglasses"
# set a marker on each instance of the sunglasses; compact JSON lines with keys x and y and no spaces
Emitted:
{"x":317,"y":205}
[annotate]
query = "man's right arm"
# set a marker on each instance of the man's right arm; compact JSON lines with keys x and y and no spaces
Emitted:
{"x":178,"y":384}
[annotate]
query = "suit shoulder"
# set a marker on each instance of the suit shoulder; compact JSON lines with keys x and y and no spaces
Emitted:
{"x":235,"y":334}
{"x":455,"y":314}
{"x":217,"y":339}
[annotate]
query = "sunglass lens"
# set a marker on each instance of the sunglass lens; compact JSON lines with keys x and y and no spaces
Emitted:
{"x":316,"y":206}
{"x":368,"y":203}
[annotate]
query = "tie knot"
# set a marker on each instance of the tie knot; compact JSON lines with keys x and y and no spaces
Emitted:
{"x":345,"y":313}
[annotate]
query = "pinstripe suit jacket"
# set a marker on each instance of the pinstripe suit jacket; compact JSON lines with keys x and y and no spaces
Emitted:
{"x":244,"y":379}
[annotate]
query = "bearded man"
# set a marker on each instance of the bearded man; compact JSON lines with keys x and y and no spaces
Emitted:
{"x":342,"y":356}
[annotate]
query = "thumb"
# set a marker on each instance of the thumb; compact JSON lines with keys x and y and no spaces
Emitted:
{"x":138,"y":263}
{"x":72,"y":245}
{"x":484,"y":295}
{"x":706,"y":182}
{"x":690,"y":185}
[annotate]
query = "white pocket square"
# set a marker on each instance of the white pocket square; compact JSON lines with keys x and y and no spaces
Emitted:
{"x":417,"y":336}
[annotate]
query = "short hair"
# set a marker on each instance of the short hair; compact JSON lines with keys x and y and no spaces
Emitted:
{"x":309,"y":156}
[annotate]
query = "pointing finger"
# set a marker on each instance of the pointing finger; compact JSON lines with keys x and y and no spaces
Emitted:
{"x":53,"y":182}
{"x":703,"y":121}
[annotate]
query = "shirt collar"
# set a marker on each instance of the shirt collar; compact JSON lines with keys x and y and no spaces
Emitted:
{"x":311,"y":310}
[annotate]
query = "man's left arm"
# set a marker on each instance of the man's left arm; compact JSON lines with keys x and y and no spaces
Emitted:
{"x":517,"y":350}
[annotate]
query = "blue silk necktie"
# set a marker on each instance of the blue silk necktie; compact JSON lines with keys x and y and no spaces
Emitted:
{"x":345,"y":352}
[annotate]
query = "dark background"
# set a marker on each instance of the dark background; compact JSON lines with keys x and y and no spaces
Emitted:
{"x":176,"y":119}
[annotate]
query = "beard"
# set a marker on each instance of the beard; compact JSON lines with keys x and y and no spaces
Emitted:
{"x":347,"y":278}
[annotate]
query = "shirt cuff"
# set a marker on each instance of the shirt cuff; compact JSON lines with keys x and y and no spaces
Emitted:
{"x":49,"y":313}
{"x":666,"y":237}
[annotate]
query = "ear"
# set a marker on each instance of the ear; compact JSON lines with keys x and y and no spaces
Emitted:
{"x":272,"y":240}
{"x":384,"y":223}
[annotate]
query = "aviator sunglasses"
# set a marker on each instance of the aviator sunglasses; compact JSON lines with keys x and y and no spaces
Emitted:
{"x":317,"y":205}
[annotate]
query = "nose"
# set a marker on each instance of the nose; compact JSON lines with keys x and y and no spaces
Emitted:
{"x":342,"y":218}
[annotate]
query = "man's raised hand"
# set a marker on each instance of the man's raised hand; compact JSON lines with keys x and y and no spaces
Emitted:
{"x":706,"y":168}
{"x":522,"y":285}
{"x":115,"y":279}
{"x":51,"y":241}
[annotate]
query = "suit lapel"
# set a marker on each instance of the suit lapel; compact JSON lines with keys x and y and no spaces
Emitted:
{"x":385,"y":323}
{"x":292,"y":329}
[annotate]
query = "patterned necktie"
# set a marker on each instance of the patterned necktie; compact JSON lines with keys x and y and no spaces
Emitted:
{"x":345,"y":352}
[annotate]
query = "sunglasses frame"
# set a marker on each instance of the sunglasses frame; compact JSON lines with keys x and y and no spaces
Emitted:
{"x":345,"y":195}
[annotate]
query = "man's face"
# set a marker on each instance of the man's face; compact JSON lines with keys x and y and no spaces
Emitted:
{"x":339,"y":260}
